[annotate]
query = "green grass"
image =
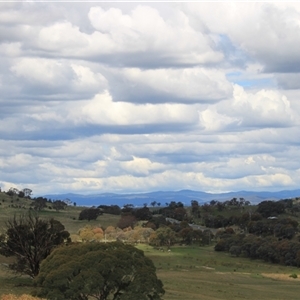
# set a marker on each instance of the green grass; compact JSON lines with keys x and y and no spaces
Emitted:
{"x":201,"y":273}
{"x":187,"y":272}
{"x":68,"y":217}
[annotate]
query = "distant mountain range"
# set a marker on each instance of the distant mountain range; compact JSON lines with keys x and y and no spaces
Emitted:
{"x":163,"y":197}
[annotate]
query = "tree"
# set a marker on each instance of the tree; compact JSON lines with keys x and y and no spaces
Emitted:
{"x":21,"y":194}
{"x":164,"y":236}
{"x":39,"y":203}
{"x":27,"y":192}
{"x":153,"y":203}
{"x":127,"y":208}
{"x":90,"y":214}
{"x":143,"y":213}
{"x":126,"y":221}
{"x":112,"y":209}
{"x":195,"y":208}
{"x":31,"y":239}
{"x":89,"y":233}
{"x":13,"y":191}
{"x":268,"y":208}
{"x":101,"y":271}
{"x":59,"y":205}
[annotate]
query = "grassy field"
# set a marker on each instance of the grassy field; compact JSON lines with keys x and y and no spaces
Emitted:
{"x":201,"y":273}
{"x":187,"y":272}
{"x":68,"y":217}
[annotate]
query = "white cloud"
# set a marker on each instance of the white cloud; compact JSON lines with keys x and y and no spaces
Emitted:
{"x":265,"y":108}
{"x":102,"y":110}
{"x":149,"y":96}
{"x":266,"y":31}
{"x":47,"y":76}
{"x":62,"y":36}
{"x":193,"y":85}
{"x":145,"y":30}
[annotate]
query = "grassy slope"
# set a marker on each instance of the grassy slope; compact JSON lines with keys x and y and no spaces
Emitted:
{"x":68,"y":217}
{"x":201,"y":273}
{"x":187,"y":272}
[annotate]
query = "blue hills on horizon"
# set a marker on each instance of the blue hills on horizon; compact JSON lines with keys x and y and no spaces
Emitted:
{"x":163,"y":197}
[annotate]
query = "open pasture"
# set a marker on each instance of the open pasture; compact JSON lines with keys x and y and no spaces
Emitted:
{"x":201,"y":273}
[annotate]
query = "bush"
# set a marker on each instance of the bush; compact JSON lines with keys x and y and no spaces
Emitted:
{"x":294,"y":276}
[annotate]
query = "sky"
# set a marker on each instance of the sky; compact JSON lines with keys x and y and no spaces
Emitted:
{"x":127,"y":97}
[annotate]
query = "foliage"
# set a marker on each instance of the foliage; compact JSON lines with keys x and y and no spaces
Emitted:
{"x":112,"y":209}
{"x":142,"y":213}
{"x":235,"y":250}
{"x":195,"y":208}
{"x":102,"y":271}
{"x":164,"y":236}
{"x":89,"y":233}
{"x":126,"y":220}
{"x":269,"y":208}
{"x":174,"y":210}
{"x":269,"y":248}
{"x":90,"y":214}
{"x":136,"y":235}
{"x":59,"y":205}
{"x":31,"y":239}
{"x":281,"y":228}
{"x":39,"y":203}
{"x":190,"y":236}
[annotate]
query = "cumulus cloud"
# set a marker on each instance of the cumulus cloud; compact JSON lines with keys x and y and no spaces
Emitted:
{"x":266,"y":108}
{"x":46,"y":77}
{"x":195,"y":85}
{"x":118,"y":97}
{"x":266,"y":31}
{"x":163,"y":41}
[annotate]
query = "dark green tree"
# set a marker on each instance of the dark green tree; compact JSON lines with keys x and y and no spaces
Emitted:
{"x":269,"y":208}
{"x":39,"y":203}
{"x":99,"y":271}
{"x":59,"y":205}
{"x":30,"y":239}
{"x":90,"y":214}
{"x":143,"y":213}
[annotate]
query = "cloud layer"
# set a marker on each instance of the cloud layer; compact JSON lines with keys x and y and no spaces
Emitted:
{"x":133,"y":97}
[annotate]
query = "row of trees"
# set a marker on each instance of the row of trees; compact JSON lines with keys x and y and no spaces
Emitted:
{"x":24,"y":193}
{"x":164,"y":236}
{"x":269,"y":248}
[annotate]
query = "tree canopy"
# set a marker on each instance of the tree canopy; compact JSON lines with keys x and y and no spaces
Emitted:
{"x":30,"y":239}
{"x":90,"y":214}
{"x":101,"y":271}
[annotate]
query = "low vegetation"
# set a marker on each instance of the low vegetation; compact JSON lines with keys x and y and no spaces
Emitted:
{"x":197,"y":250}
